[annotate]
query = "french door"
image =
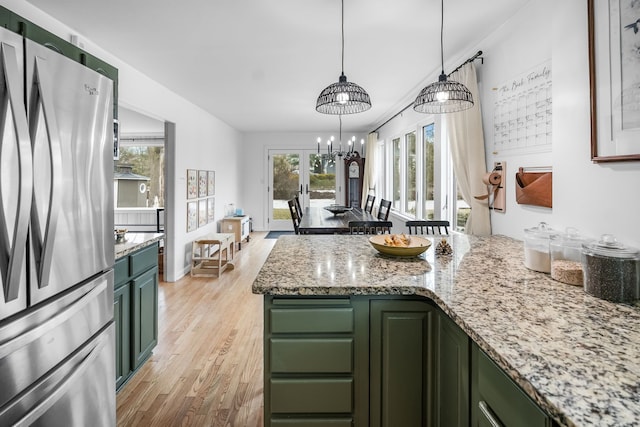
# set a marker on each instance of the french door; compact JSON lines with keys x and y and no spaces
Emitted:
{"x":303,"y":173}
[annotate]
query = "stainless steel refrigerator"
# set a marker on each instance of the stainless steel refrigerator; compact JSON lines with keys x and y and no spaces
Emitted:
{"x":57,"y":340}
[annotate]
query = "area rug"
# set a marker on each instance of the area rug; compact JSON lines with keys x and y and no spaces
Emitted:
{"x":276,"y":234}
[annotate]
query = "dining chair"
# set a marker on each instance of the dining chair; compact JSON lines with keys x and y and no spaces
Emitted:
{"x":368,"y":205}
{"x":370,"y":227}
{"x":295,"y":217}
{"x":428,"y":227}
{"x":297,"y":199}
{"x":384,"y":209}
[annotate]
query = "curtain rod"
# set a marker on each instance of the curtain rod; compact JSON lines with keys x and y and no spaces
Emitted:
{"x":473,"y":58}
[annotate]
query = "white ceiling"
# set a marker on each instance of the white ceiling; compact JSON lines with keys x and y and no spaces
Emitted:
{"x":259,"y":65}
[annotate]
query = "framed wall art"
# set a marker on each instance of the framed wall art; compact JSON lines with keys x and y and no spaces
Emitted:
{"x":192,"y":216}
{"x":614,"y":68}
{"x":211,"y":183}
{"x":211,"y":209}
{"x":192,"y":183}
{"x":202,"y":212}
{"x":202,"y":183}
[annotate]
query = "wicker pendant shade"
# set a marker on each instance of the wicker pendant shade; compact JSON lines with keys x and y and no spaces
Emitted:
{"x":343,"y":97}
{"x":443,"y":96}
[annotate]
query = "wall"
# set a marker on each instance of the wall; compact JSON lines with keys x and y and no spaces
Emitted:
{"x":200,"y":141}
{"x":595,"y":198}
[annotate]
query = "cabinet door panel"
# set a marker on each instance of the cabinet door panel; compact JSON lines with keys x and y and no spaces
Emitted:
{"x":145,"y":315}
{"x":122,"y":318}
{"x":452,"y":370}
{"x":401,"y":374}
{"x":311,"y":395}
{"x":326,"y":355}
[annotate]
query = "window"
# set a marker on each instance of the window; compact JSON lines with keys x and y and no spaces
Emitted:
{"x":428,"y":185}
{"x":410,"y":174}
{"x":421,"y":181}
{"x":396,"y":174}
{"x":139,"y":176}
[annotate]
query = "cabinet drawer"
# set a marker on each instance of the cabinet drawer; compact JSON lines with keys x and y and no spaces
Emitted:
{"x":121,"y":271}
{"x":501,"y":398}
{"x":143,"y":259}
{"x":312,"y":320}
{"x":331,"y":355}
{"x":315,"y":422}
{"x":311,"y":395}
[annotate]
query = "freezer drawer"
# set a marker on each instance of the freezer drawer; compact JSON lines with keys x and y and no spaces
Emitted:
{"x":34,"y":343}
{"x":78,"y":393}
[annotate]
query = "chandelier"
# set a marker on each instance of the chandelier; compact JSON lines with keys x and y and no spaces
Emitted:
{"x":443,"y":96}
{"x":347,"y":154}
{"x":343,"y":97}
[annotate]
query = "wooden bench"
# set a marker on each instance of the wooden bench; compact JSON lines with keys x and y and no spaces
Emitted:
{"x":212,"y":254}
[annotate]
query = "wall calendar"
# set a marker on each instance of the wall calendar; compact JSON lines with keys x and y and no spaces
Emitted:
{"x":522,"y":112}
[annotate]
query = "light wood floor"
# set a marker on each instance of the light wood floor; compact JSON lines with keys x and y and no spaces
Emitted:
{"x":207,"y":367}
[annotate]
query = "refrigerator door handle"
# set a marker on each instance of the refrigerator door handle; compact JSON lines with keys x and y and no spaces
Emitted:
{"x":13,"y":253}
{"x":62,"y":388}
{"x":44,"y":239}
{"x":60,"y":317}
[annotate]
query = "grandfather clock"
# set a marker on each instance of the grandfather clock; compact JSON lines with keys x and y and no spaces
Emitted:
{"x":354,"y":167}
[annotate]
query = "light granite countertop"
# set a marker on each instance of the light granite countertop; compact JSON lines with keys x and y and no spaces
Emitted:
{"x":577,"y":356}
{"x":135,"y":241}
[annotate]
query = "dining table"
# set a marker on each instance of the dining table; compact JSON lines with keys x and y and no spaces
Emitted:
{"x":318,"y":220}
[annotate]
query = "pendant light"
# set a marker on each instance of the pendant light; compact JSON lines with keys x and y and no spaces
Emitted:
{"x":343,"y":97}
{"x":443,"y":96}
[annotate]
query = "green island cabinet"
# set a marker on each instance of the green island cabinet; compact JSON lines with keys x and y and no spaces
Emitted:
{"x":381,"y":361}
{"x":135,"y":310}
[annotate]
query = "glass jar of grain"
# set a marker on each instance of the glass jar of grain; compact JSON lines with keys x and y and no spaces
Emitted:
{"x":536,"y":247}
{"x":566,"y":253}
{"x":611,"y":270}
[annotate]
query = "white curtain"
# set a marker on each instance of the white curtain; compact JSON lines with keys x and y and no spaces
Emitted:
{"x":370,"y":174}
{"x":464,"y":134}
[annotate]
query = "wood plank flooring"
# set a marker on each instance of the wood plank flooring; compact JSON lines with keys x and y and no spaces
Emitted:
{"x":207,"y":368}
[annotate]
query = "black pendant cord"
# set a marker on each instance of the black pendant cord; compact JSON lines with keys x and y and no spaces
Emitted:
{"x":441,"y":35}
{"x":342,"y":37}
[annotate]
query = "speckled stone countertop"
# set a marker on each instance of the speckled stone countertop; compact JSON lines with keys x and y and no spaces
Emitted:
{"x":135,"y":241}
{"x":577,"y":356}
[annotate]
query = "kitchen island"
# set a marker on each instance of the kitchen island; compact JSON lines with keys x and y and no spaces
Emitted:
{"x":574,"y":355}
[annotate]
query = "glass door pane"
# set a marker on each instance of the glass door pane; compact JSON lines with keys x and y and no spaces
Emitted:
{"x":286,"y":182}
{"x":320,"y":187}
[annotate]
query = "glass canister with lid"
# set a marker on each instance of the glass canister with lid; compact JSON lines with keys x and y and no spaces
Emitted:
{"x":611,"y":270}
{"x":536,"y":247}
{"x":566,"y":256}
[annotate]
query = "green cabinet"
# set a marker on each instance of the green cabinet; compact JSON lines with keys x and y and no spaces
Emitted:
{"x":451,"y":373}
{"x":497,"y":400}
{"x":381,"y":361}
{"x":401,"y":376}
{"x":310,"y":362}
{"x":135,"y":310}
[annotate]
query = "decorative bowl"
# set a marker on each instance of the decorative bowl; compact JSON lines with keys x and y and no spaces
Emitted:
{"x":416,"y":246}
{"x":336,"y":209}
